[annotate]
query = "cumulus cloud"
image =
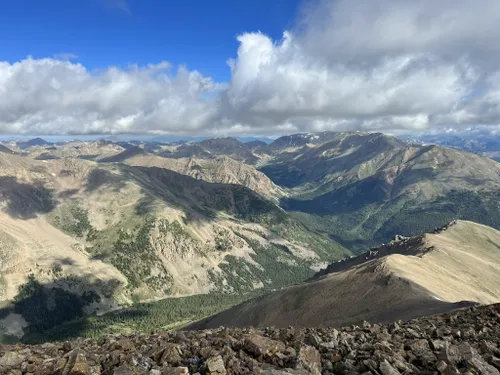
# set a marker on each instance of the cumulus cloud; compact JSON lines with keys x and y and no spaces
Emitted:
{"x":49,"y":96}
{"x":347,"y":65}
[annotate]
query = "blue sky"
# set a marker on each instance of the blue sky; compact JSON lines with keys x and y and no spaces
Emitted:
{"x":160,"y":67}
{"x":198,"y":33}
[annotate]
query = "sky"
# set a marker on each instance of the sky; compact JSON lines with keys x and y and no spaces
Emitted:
{"x":248,"y":67}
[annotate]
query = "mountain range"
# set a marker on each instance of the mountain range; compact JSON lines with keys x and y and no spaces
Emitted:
{"x":101,"y":225}
{"x":477,"y":142}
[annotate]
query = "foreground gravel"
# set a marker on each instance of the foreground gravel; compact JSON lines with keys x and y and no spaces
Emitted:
{"x":460,"y":342}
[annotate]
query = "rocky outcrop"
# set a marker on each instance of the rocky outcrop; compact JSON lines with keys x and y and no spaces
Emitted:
{"x":460,"y":342}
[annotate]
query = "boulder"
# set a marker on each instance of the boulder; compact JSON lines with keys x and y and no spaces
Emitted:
{"x":309,"y":359}
{"x":260,"y":345}
{"x":215,"y":366}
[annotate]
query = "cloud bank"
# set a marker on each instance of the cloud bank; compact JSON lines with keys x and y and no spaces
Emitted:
{"x":348,"y":65}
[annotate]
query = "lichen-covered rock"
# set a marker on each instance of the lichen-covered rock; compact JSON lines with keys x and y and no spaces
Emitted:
{"x":260,"y":345}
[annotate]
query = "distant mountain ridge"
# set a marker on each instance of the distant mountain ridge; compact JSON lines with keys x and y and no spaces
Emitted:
{"x":364,"y":188}
{"x":478,"y":143}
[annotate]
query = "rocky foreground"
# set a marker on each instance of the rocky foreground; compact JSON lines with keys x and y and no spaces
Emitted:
{"x":460,"y":342}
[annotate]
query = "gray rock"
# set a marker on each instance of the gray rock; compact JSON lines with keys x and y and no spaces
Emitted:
{"x":125,"y":370}
{"x":309,"y":359}
{"x":495,"y":362}
{"x":386,"y":369}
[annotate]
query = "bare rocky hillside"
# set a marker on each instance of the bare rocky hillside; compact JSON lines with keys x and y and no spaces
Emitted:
{"x":222,"y":169}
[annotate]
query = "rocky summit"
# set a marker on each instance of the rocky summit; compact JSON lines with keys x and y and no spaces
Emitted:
{"x":460,"y":342}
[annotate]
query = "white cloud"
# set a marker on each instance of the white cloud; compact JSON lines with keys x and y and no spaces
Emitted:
{"x":53,"y":96}
{"x":348,"y":65}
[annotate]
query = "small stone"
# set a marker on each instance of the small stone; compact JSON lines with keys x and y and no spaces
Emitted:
{"x":335,"y":334}
{"x":124,"y":370}
{"x":400,"y":365}
{"x":495,"y":362}
{"x":46,"y":368}
{"x":336,"y":357}
{"x":482,"y":366}
{"x":143,"y":364}
{"x":181,"y":371}
{"x":59,"y":366}
{"x":50,"y":349}
{"x":215,"y":365}
{"x":125,"y":345}
{"x":487,"y":347}
{"x":420,"y":348}
{"x":441,"y":366}
{"x":291,"y":352}
{"x":387,"y":369}
{"x":450,"y":370}
{"x":285,"y":371}
{"x":171,"y":354}
{"x":77,"y":363}
{"x":437,"y":345}
{"x":31,"y":367}
{"x":314,"y":339}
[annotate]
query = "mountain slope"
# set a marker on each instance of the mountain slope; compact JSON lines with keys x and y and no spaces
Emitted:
{"x":111,"y":234}
{"x":5,"y":149}
{"x":408,"y":278}
{"x":221,"y":170}
{"x":362,"y":189}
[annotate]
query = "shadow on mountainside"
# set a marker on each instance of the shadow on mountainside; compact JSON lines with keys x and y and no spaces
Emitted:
{"x":100,"y":177}
{"x":124,"y":155}
{"x":25,"y":201}
{"x":200,"y":200}
{"x":51,"y":305}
